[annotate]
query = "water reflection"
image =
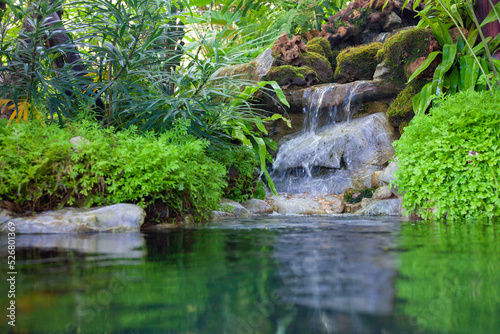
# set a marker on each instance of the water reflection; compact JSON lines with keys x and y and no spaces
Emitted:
{"x":274,"y":275}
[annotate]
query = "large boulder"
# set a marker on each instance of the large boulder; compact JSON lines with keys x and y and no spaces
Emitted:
{"x":256,"y":70}
{"x":401,"y":112}
{"x":357,"y":63}
{"x":386,"y":207}
{"x":118,"y":217}
{"x":288,"y":75}
{"x":343,"y":156}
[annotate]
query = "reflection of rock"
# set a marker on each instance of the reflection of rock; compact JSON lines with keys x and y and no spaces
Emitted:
{"x":344,"y":155}
{"x":123,"y":245}
{"x":118,"y":217}
{"x":340,"y":268}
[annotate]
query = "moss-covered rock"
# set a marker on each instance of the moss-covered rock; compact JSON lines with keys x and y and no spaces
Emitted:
{"x":320,"y":65}
{"x":322,"y":46}
{"x":402,"y":49}
{"x":400,"y":111}
{"x":357,"y":63}
{"x":288,"y":75}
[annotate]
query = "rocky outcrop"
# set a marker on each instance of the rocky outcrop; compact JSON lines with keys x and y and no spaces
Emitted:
{"x":118,"y":217}
{"x":357,"y":63}
{"x":343,"y":156}
{"x":257,"y":206}
{"x":386,"y":207}
{"x":234,"y":208}
{"x":305,"y":204}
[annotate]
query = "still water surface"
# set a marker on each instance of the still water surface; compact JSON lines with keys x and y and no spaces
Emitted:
{"x":268,"y":275}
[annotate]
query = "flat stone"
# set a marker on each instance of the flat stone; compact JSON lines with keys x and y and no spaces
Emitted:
{"x":383,"y":192}
{"x":257,"y":206}
{"x":118,"y":217}
{"x":386,"y":207}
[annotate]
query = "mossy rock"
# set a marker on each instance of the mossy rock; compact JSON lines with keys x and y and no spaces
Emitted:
{"x":320,"y":65}
{"x":402,"y":49}
{"x":288,"y":75}
{"x":353,"y":196}
{"x":400,"y":112}
{"x":322,"y":46}
{"x":357,"y":63}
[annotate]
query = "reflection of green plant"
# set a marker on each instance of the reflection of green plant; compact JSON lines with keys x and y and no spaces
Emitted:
{"x":449,"y":159}
{"x":448,"y":277}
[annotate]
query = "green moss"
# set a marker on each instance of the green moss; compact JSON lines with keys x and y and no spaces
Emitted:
{"x":400,"y":111}
{"x":357,"y":63}
{"x":291,"y":75}
{"x":404,"y":48}
{"x":320,"y":65}
{"x":353,"y":196}
{"x":322,"y":46}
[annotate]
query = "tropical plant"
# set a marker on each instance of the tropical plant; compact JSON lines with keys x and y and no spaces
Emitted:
{"x":132,"y":62}
{"x":466,"y":62}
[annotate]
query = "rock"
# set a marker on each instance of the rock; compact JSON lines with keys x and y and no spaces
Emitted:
{"x":234,"y":208}
{"x":288,"y":75}
{"x":118,"y":217}
{"x":220,"y":215}
{"x":340,"y":96}
{"x":287,"y":51}
{"x":388,"y":173}
{"x":382,"y":72}
{"x":365,"y":202}
{"x":386,"y":207}
{"x":400,"y":112}
{"x":349,"y":152}
{"x":357,"y":63}
{"x":455,"y":33}
{"x":392,"y":22}
{"x":404,"y":48}
{"x":320,"y":65}
{"x":383,"y":192}
{"x":257,"y":206}
{"x":296,"y":206}
{"x":322,"y":46}
{"x":254,"y":71}
{"x":351,"y":208}
{"x":332,"y":204}
{"x":375,"y":179}
{"x":4,"y":216}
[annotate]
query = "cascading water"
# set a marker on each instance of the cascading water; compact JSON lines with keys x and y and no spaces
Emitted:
{"x":323,"y":157}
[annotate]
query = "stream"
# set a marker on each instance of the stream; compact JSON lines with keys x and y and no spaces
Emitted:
{"x":273,"y":274}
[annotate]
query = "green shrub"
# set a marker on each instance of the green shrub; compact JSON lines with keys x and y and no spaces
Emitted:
{"x":40,"y":169}
{"x":242,"y":175}
{"x":449,"y":159}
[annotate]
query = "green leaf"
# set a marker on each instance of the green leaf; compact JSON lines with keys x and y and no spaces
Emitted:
{"x":492,"y":16}
{"x":449,"y":55}
{"x":424,"y":65}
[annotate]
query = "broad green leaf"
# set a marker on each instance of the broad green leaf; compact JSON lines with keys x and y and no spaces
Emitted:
{"x":422,"y":100}
{"x":456,"y":14}
{"x":278,"y":91}
{"x":424,"y":65}
{"x":469,"y":71}
{"x":449,"y":55}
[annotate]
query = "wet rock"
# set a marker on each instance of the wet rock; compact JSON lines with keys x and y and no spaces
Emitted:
{"x":400,"y":112}
{"x":257,"y":206}
{"x":352,"y":208}
{"x":375,"y":179}
{"x":365,"y":202}
{"x":320,"y":65}
{"x":386,"y":207}
{"x":234,"y":208}
{"x":357,"y":63}
{"x":383,"y":192}
{"x":340,"y":98}
{"x":321,"y":46}
{"x":382,"y":72}
{"x":350,"y":152}
{"x":220,"y":215}
{"x":118,"y":217}
{"x":296,"y":206}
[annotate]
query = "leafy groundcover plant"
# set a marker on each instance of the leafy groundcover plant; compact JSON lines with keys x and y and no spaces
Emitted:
{"x":41,"y":168}
{"x":449,"y":159}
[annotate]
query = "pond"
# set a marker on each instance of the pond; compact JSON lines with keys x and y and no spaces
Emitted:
{"x":268,"y":275}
